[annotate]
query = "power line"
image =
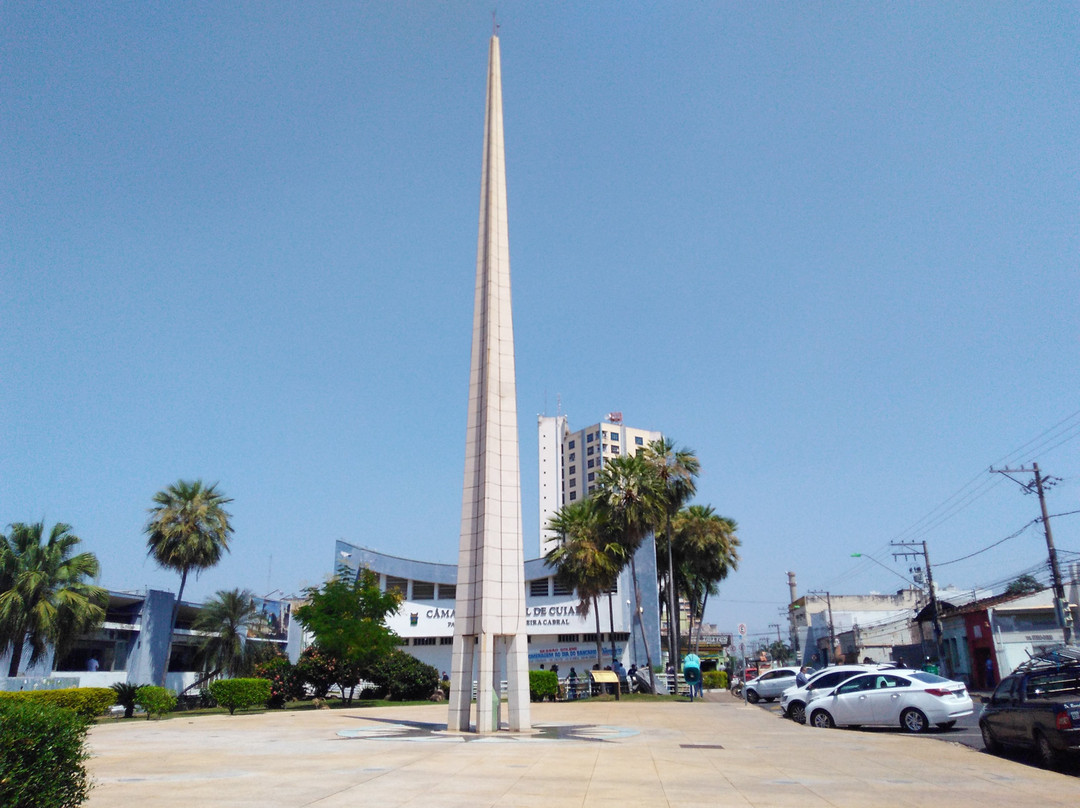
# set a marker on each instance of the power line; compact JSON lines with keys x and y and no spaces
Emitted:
{"x":991,"y":546}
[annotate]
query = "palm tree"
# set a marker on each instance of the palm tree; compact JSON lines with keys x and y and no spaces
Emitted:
{"x":705,"y":551}
{"x":188,"y":530}
{"x":585,"y":558}
{"x":676,"y":470}
{"x":631,"y":501}
{"x":226,"y":621}
{"x":45,"y":598}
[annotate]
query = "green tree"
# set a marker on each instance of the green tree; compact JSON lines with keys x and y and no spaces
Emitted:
{"x":188,"y":531}
{"x":780,"y":652}
{"x":1024,"y":585}
{"x":348,"y":621}
{"x":705,"y":550}
{"x":226,"y":620}
{"x":631,"y":500}
{"x":45,"y":596}
{"x":586,"y":558}
{"x":676,"y":470}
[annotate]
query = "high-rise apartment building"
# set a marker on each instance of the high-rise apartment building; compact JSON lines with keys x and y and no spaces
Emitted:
{"x":570,"y":462}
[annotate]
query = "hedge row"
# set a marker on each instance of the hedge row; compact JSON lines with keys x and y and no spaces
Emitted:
{"x":714,"y":680}
{"x":86,"y":701}
{"x":41,"y":754}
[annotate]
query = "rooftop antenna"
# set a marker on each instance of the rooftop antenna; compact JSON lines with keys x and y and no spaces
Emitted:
{"x":494,"y":24}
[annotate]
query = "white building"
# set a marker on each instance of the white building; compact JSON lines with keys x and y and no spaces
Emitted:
{"x":569,"y":462}
{"x":557,"y":632}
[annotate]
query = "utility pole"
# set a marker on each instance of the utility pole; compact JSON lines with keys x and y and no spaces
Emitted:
{"x":832,"y":634}
{"x":792,"y":622}
{"x":933,"y":596}
{"x":1064,"y":617}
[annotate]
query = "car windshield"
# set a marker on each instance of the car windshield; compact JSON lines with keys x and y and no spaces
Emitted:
{"x":929,"y":678}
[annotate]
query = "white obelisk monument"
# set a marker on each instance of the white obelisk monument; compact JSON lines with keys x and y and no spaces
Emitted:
{"x":489,"y":616}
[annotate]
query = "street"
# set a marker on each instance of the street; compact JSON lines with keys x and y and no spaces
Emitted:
{"x":965,"y":732}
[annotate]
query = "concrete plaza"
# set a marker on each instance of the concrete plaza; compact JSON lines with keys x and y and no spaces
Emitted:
{"x":617,"y":754}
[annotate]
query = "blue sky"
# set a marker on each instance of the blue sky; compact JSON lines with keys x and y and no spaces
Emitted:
{"x":830,"y":247}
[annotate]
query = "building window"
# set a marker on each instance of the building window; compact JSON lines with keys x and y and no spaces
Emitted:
{"x":591,"y":450}
{"x":592,"y":476}
{"x":539,"y":588}
{"x":592,"y":488}
{"x":604,"y":433}
{"x":592,"y":463}
{"x":573,"y":482}
{"x":573,"y":456}
{"x":614,"y":437}
{"x":446,"y":640}
{"x":573,"y":495}
{"x":400,"y":584}
{"x":561,"y":588}
{"x":569,"y":638}
{"x":571,"y":444}
{"x":426,"y":640}
{"x":589,"y":438}
{"x":640,"y":441}
{"x":447,"y":591}
{"x":573,"y":469}
{"x":423,"y":590}
{"x":614,"y":450}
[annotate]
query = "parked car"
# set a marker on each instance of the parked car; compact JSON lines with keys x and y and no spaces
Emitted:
{"x":793,"y":700}
{"x":770,"y":684}
{"x":914,"y":700}
{"x":1037,"y":707}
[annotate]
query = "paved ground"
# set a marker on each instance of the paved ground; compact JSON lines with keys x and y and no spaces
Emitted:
{"x":717,"y":752}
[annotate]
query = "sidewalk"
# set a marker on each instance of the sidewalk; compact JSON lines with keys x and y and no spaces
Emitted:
{"x":716,"y":752}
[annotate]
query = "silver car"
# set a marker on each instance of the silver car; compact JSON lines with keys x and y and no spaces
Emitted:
{"x":770,"y":684}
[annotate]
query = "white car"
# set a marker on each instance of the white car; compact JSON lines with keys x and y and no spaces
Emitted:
{"x":911,"y":699}
{"x":770,"y":684}
{"x":793,"y":700}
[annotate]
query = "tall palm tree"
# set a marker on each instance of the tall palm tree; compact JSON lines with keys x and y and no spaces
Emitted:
{"x":188,"y":530}
{"x":677,"y":470}
{"x":45,"y":597}
{"x":631,"y":501}
{"x":585,"y":558}
{"x":226,"y":620}
{"x":705,"y":551}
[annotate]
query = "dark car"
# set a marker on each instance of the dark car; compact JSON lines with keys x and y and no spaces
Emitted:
{"x":1037,"y":707}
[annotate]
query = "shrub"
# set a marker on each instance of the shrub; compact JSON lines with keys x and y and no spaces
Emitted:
{"x":714,"y":680}
{"x":403,"y":677}
{"x":42,"y":750}
{"x":240,"y":693}
{"x":285,"y":682}
{"x":126,"y":694}
{"x":155,"y":700}
{"x":318,"y":670}
{"x":543,"y":684}
{"x":89,"y":702}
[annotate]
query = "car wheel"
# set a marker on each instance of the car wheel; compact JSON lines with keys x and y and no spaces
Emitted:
{"x":993,"y":746}
{"x":1048,"y":756}
{"x":752,"y":696}
{"x":822,"y":720}
{"x":797,"y":712}
{"x":946,"y":725}
{"x":913,"y":720}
